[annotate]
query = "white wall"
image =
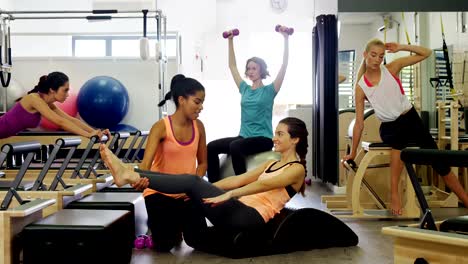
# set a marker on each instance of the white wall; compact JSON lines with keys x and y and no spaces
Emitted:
{"x":453,"y":34}
{"x":325,"y":7}
{"x":200,"y":24}
{"x":351,"y":34}
{"x":71,"y":25}
{"x":6,"y":4}
{"x":355,"y":37}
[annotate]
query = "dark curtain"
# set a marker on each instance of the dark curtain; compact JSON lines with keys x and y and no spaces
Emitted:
{"x":325,"y":160}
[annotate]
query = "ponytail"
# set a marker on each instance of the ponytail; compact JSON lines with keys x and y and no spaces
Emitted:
{"x":53,"y":80}
{"x":302,"y":160}
{"x":41,"y":86}
{"x":167,"y":97}
{"x":361,"y":71}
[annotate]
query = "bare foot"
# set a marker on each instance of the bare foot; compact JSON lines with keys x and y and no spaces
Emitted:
{"x":121,"y":174}
{"x":396,"y":205}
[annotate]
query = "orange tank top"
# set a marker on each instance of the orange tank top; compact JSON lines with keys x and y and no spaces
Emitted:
{"x":175,"y":157}
{"x":269,"y":203}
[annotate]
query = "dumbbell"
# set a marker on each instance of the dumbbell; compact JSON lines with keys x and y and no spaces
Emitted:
{"x":227,"y":34}
{"x":288,"y":30}
{"x":308,"y":181}
{"x":143,"y":241}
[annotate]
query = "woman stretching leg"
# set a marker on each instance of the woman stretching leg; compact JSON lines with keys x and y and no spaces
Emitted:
{"x":262,"y":192}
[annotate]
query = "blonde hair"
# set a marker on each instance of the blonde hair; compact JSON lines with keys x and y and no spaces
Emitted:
{"x":362,"y":68}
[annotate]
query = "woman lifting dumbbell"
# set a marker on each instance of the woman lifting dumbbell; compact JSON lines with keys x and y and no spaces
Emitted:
{"x":401,"y":123}
{"x":237,"y":203}
{"x":39,"y":102}
{"x":256,"y":109}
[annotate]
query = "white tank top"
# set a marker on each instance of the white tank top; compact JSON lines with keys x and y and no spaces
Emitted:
{"x":387,"y":98}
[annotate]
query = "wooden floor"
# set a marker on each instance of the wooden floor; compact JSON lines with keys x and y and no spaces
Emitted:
{"x":373,"y":247}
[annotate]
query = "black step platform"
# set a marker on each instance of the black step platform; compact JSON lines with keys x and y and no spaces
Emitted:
{"x":133,"y":202}
{"x":79,"y":236}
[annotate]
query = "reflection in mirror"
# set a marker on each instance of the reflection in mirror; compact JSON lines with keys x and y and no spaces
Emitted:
{"x":410,"y":67}
{"x":440,"y":78}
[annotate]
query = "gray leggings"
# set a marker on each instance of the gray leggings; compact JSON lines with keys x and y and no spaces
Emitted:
{"x":232,"y":214}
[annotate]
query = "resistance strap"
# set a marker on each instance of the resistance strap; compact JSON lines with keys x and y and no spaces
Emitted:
{"x":408,"y":41}
{"x":446,"y":58}
{"x":385,"y":38}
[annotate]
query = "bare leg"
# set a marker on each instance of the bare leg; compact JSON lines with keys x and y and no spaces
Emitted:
{"x":121,"y":174}
{"x":396,"y":167}
{"x":452,"y":182}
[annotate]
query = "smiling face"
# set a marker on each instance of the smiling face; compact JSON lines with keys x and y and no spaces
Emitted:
{"x":192,"y":105}
{"x":62,"y":93}
{"x":282,"y":140}
{"x":374,"y":56}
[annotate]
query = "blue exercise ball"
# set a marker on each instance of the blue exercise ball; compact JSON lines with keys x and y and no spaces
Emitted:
{"x":123,"y":128}
{"x":103,"y":102}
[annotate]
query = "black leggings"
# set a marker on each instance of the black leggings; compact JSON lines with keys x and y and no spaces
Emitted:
{"x":238,"y":148}
{"x":165,"y":220}
{"x":409,"y":128}
{"x":231,"y":215}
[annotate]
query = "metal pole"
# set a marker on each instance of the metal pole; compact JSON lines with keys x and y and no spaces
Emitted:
{"x":94,"y":17}
{"x":162,"y":109}
{"x":164,"y":57}
{"x":98,"y":11}
{"x":4,"y":91}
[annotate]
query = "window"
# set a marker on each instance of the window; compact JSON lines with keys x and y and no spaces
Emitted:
{"x":440,"y":82}
{"x":346,"y":60}
{"x":118,"y":46}
{"x":90,"y":48}
{"x":269,"y":46}
{"x":407,"y":77}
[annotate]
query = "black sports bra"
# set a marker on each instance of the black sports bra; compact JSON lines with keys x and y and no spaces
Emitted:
{"x":289,"y":188}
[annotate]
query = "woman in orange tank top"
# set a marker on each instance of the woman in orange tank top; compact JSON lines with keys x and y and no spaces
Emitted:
{"x":262,"y":192}
{"x":176,"y":145}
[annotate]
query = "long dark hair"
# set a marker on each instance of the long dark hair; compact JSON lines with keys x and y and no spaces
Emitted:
{"x":53,"y":80}
{"x":297,"y":129}
{"x":181,"y":86}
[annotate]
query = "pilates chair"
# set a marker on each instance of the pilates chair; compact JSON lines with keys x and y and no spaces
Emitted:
{"x":366,"y":197}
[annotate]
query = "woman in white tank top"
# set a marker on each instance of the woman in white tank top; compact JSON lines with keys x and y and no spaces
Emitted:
{"x":380,"y":85}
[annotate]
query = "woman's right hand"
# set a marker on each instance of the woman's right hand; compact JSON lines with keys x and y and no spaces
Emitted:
{"x":99,"y":133}
{"x":96,"y":132}
{"x":347,"y":157}
{"x":392,"y":47}
{"x":142,"y":184}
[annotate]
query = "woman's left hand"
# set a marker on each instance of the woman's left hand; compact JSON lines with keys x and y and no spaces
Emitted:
{"x":392,"y":47}
{"x":214,"y":201}
{"x":107,"y":133}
